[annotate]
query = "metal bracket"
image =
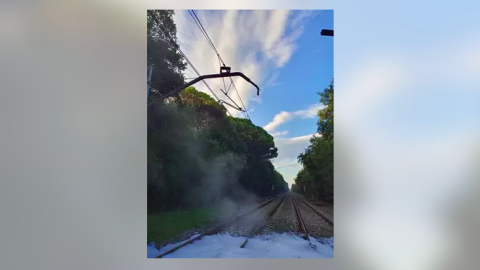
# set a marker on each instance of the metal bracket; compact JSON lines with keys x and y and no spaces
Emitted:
{"x":224,"y":69}
{"x":203,"y":77}
{"x":235,"y":107}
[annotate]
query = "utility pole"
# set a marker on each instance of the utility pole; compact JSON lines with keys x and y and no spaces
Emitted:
{"x":149,"y":80}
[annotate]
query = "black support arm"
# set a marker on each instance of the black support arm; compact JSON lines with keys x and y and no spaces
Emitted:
{"x":203,"y":77}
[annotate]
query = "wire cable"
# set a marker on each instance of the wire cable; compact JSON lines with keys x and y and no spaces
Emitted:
{"x":204,"y":32}
{"x":170,"y":41}
{"x":209,"y":40}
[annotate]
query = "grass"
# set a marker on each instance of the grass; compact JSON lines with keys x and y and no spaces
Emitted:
{"x":162,"y":226}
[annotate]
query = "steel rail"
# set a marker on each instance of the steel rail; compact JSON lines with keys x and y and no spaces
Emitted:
{"x":215,"y":229}
{"x":328,"y":220}
{"x":300,"y":220}
{"x":260,"y":228}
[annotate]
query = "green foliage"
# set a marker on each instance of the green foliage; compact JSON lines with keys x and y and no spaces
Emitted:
{"x":189,"y":138}
{"x":325,"y":115}
{"x":163,"y":55}
{"x":315,"y":179}
{"x":197,"y":155}
{"x":165,"y":225}
{"x":317,"y":173}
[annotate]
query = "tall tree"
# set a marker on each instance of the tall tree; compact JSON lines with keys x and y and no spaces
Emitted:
{"x":198,"y":149}
{"x":325,"y":115}
{"x":163,"y":53}
{"x":197,"y":154}
{"x":315,"y":179}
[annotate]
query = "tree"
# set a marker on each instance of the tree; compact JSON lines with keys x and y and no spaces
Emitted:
{"x":163,"y":53}
{"x":195,"y":145}
{"x":317,"y":161}
{"x":197,"y":154}
{"x":325,"y":115}
{"x":315,"y":179}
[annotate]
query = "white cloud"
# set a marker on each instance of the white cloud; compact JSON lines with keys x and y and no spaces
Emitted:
{"x":302,"y":138}
{"x":289,"y":148}
{"x":280,"y":133}
{"x":255,"y":43}
{"x":311,"y":112}
{"x":279,"y":119}
{"x":284,"y":117}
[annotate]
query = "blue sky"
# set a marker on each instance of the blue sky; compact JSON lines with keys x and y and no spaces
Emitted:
{"x":283,"y":52}
{"x":308,"y":71}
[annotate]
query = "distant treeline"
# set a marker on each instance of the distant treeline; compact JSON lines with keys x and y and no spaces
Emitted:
{"x":315,"y":179}
{"x":197,"y":155}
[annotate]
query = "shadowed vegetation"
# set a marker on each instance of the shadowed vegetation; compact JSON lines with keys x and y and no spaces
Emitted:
{"x":197,"y":155}
{"x":315,"y":179}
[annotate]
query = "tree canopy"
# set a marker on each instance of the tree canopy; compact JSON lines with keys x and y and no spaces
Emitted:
{"x":194,"y":145}
{"x":163,"y":53}
{"x":315,"y":179}
{"x":197,"y":155}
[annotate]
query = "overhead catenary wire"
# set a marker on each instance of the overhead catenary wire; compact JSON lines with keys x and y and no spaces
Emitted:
{"x":241,"y":101}
{"x":170,"y":41}
{"x":210,"y":42}
{"x":204,"y":32}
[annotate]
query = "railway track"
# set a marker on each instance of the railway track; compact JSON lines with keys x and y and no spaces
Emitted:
{"x":324,"y":217}
{"x":316,"y":223}
{"x":284,"y":213}
{"x":255,"y":230}
{"x":283,"y":221}
{"x":302,"y":225}
{"x":222,"y":226}
{"x":300,"y":220}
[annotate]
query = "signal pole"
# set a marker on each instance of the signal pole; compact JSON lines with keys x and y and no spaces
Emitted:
{"x":149,"y":80}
